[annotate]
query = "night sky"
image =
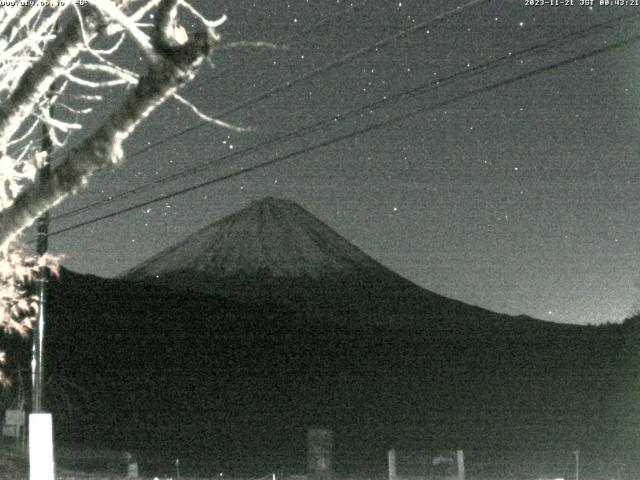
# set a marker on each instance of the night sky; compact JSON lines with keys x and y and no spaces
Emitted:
{"x":519,"y":199}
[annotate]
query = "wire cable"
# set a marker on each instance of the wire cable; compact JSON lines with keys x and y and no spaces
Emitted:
{"x":315,"y":72}
{"x":367,"y":129}
{"x":420,"y":90}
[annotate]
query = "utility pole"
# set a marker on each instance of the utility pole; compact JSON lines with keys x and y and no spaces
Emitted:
{"x":37,"y":358}
{"x":41,"y":463}
{"x":576,"y":453}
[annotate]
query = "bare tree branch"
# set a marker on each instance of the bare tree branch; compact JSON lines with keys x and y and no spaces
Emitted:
{"x":104,"y":147}
{"x":34,"y":53}
{"x":117,"y":15}
{"x":205,"y":117}
{"x":56,"y":57}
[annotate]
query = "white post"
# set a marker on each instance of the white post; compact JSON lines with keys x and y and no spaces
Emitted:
{"x":460,"y":459}
{"x":41,"y":447}
{"x":132,"y":468}
{"x":391,"y":455}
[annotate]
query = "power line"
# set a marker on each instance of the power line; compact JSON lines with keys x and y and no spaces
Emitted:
{"x":317,"y":71}
{"x":373,"y":127}
{"x":422,"y":89}
{"x":364,"y":50}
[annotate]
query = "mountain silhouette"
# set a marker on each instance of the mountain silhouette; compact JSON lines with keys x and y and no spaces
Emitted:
{"x":271,"y":236}
{"x":275,"y":251}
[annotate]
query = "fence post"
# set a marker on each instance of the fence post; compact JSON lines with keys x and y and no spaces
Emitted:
{"x":391,"y":455}
{"x":319,"y":454}
{"x":460,"y":459}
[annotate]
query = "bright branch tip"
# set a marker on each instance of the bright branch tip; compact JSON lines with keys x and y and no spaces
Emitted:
{"x":206,"y":117}
{"x":117,"y":15}
{"x":269,"y":45}
{"x":211,"y":25}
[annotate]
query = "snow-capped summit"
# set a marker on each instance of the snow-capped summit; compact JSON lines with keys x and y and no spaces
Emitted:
{"x":272,"y":249}
{"x":272,"y":236}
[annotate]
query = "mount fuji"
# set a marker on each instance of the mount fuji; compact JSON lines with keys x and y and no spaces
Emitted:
{"x":275,"y":251}
{"x":271,"y":237}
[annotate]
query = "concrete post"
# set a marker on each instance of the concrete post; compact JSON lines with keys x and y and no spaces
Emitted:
{"x":41,"y":466}
{"x":391,"y":455}
{"x":460,"y":460}
{"x":319,"y":454}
